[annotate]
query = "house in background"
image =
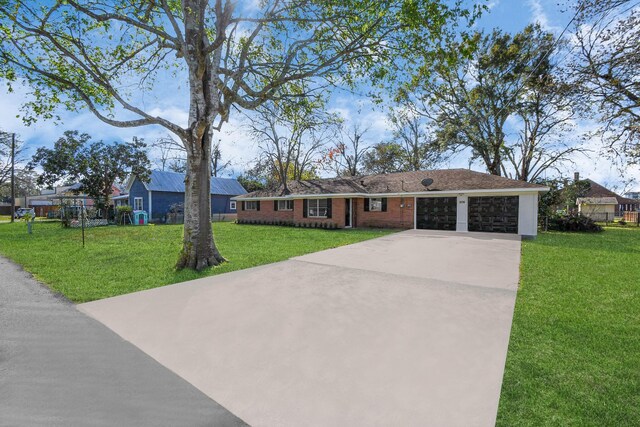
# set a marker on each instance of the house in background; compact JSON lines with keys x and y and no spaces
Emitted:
{"x":455,"y":199}
{"x":598,"y":208}
{"x":121,"y":200}
{"x":635,"y":195}
{"x":166,"y":189}
{"x":623,"y":204}
{"x":50,"y":200}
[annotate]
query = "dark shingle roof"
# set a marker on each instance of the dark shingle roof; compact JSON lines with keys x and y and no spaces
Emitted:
{"x":401,"y":182}
{"x":598,"y":190}
{"x":173,"y":182}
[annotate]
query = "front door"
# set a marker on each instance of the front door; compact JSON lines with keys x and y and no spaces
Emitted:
{"x":347,"y":212}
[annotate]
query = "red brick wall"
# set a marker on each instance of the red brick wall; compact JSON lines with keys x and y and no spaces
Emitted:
{"x":337,"y":213}
{"x":266,"y":212}
{"x":394,"y":217}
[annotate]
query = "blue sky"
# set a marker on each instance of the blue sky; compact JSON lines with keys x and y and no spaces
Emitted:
{"x":509,"y":15}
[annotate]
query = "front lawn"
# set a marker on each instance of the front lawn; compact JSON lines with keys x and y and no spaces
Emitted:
{"x":574,"y":353}
{"x":120,"y":260}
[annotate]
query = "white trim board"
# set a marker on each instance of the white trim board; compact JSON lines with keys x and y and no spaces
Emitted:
{"x":448,"y":193}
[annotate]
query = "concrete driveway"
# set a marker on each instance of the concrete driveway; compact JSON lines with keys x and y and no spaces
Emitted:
{"x":408,"y":329}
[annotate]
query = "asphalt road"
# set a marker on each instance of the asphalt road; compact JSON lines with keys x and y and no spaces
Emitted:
{"x":59,"y":367}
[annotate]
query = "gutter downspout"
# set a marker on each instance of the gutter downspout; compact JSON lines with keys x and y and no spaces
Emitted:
{"x":150,"y":206}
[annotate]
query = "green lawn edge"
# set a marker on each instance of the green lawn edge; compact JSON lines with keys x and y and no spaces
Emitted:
{"x":121,"y":260}
{"x":574,"y":351}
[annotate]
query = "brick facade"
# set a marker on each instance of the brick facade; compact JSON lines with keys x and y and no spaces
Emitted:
{"x":394,"y":217}
{"x":337,"y":213}
{"x":266,"y":212}
{"x":399,"y":214}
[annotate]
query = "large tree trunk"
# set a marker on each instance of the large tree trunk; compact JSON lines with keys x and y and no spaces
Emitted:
{"x":199,"y":250}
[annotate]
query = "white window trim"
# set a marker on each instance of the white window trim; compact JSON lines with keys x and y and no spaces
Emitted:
{"x":251,"y":202}
{"x":371,"y":209}
{"x":285,"y":202}
{"x":233,"y":205}
{"x":317,"y":207}
{"x":135,"y":200}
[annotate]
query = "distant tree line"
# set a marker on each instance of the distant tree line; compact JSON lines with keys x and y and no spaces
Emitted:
{"x":507,"y":101}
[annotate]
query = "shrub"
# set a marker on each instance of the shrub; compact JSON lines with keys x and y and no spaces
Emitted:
{"x":573,"y":223}
{"x":622,"y":222}
{"x":123,"y":214}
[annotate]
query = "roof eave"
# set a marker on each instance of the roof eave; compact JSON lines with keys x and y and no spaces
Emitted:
{"x":130,"y":182}
{"x":404,"y":194}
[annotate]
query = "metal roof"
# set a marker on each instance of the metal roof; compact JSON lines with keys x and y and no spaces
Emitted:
{"x":173,"y":182}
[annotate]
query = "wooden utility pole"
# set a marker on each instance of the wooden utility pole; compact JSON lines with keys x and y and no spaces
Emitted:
{"x":13,"y":176}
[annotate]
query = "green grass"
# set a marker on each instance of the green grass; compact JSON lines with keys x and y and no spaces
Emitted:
{"x":120,"y":260}
{"x":7,"y":218}
{"x":574,"y":353}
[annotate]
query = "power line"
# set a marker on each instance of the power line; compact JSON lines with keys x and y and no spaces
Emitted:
{"x":545,"y":56}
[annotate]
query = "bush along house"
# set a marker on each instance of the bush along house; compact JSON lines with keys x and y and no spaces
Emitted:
{"x":165,"y":191}
{"x":453,"y":199}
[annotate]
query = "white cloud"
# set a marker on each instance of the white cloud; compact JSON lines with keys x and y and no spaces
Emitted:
{"x":364,"y":113}
{"x":492,"y":4}
{"x":234,"y":144}
{"x":173,"y":114}
{"x":539,"y":15}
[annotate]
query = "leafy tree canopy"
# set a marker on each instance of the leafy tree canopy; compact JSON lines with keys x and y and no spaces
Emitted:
{"x":228,"y":55}
{"x":96,"y":166}
{"x":384,"y":157}
{"x":469,"y":99}
{"x":606,"y":71}
{"x":562,"y":196}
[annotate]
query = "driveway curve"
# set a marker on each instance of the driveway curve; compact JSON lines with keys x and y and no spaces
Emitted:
{"x":408,"y":329}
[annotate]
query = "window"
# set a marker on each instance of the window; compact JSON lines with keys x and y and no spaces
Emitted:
{"x":232,"y":205}
{"x":285,"y":205}
{"x":317,"y":208}
{"x":251,"y":205}
{"x":137,"y":204}
{"x":375,"y":205}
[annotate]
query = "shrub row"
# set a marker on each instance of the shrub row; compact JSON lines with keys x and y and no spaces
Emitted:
{"x":285,"y":223}
{"x":573,"y":223}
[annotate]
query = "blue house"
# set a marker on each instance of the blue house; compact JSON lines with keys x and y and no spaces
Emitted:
{"x":165,"y":189}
